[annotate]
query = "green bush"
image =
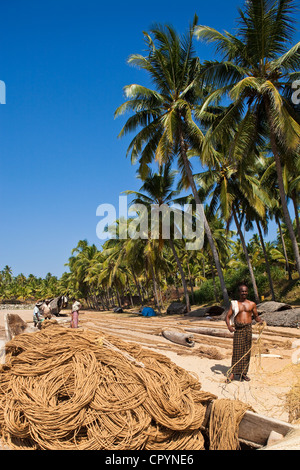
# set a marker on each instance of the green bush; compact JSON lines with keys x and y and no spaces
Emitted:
{"x":235,"y":277}
{"x":206,"y":292}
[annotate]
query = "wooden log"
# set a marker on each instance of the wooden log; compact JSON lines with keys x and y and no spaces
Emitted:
{"x":220,"y":332}
{"x":179,"y":338}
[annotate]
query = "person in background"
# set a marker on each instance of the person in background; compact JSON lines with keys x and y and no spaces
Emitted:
{"x":75,"y":314}
{"x":37,"y":315}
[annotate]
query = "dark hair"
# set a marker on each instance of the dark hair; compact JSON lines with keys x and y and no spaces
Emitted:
{"x":242,"y":284}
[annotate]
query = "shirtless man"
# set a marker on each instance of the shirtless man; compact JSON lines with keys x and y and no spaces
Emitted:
{"x":242,"y":328}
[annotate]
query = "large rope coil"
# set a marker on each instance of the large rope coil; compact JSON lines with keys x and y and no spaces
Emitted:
{"x":74,"y":389}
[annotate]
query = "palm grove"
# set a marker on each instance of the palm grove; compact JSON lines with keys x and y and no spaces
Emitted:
{"x":223,"y":134}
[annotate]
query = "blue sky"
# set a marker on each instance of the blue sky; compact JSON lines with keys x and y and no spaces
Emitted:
{"x":64,"y":66}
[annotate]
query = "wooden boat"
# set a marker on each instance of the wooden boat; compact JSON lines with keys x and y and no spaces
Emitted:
{"x":255,"y":429}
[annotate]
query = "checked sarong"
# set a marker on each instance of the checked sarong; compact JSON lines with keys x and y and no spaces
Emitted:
{"x":241,"y":353}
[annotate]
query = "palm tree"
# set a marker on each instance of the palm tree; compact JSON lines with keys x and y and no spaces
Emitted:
{"x":79,"y":263}
{"x":164,"y":118}
{"x":257,"y":71}
{"x":158,"y":189}
{"x":232,"y":194}
{"x":268,"y":180}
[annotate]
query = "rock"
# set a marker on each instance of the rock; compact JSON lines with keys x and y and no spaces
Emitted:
{"x":272,"y":306}
{"x":288,"y":318}
{"x":176,"y":308}
{"x":118,"y":310}
{"x":198,"y":312}
{"x":214,"y":310}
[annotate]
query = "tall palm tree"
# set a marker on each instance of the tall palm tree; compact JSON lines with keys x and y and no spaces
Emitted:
{"x":157,"y":189}
{"x":268,"y":180}
{"x":231,"y":194}
{"x":256,"y":71}
{"x":165,"y":118}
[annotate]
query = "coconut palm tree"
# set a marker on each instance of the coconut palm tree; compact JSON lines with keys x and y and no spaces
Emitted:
{"x":268,"y":180}
{"x":157,"y":189}
{"x":164,"y":118}
{"x":79,"y":263}
{"x":256,"y":71}
{"x":231,"y":194}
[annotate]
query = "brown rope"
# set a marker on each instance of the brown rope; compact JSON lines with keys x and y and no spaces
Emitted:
{"x":225,"y":418}
{"x":73,"y":389}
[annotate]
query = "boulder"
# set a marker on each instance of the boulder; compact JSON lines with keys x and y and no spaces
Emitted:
{"x":271,"y":306}
{"x":288,"y":318}
{"x":198,"y":312}
{"x":176,"y":308}
{"x":214,"y":310}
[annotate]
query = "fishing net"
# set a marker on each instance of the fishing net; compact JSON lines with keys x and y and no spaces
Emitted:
{"x":66,"y":389}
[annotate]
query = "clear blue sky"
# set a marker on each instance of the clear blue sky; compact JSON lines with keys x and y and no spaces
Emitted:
{"x":64,"y":66}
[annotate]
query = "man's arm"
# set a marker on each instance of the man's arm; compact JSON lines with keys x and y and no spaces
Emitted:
{"x":255,"y":314}
{"x":227,"y":319}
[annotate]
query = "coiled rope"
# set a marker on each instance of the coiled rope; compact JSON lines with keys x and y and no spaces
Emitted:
{"x":64,"y":389}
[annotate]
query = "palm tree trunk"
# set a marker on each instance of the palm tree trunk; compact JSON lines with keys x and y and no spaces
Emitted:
{"x":176,"y":287}
{"x":160,"y":296}
{"x":136,"y":285}
{"x":155,"y":288}
{"x":183,"y":279}
{"x":240,"y":232}
{"x":118,"y":298}
{"x":266,"y":260}
{"x":130,"y":295}
{"x":191,"y":282}
{"x":206,"y":225}
{"x":285,"y":210}
{"x":213,"y":279}
{"x":294,"y":199}
{"x":284,"y":249}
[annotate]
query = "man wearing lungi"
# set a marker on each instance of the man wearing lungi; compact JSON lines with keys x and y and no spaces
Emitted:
{"x":239,"y":321}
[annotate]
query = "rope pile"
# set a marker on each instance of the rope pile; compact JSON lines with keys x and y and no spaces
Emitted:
{"x":66,"y":389}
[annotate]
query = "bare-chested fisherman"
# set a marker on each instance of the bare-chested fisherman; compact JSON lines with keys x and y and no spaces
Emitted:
{"x":242,"y":312}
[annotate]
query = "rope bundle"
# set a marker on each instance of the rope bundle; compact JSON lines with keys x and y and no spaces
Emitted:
{"x":225,"y":419}
{"x":66,"y":389}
